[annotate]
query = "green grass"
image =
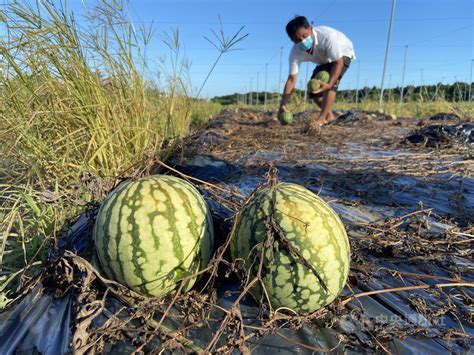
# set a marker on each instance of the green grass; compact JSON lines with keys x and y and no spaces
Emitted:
{"x":204,"y":110}
{"x":421,"y":109}
{"x":413,"y":109}
{"x":29,"y":223}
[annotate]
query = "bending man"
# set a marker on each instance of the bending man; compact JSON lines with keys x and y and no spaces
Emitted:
{"x":331,"y":50}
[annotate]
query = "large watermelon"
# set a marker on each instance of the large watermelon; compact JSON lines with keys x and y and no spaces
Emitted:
{"x":151,"y":233}
{"x":317,"y":247}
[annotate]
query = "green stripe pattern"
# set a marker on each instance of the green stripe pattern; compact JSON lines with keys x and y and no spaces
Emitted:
{"x":313,"y":229}
{"x":151,"y":233}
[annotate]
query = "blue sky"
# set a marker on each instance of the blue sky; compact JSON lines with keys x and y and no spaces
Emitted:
{"x":438,"y":33}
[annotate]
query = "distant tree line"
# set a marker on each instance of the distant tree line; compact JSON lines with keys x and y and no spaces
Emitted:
{"x":456,"y":92}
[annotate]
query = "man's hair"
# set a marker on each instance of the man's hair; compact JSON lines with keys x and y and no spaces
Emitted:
{"x":295,"y":24}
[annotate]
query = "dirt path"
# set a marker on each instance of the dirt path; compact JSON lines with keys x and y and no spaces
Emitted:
{"x":249,"y":138}
{"x":408,"y":209}
{"x":361,"y":154}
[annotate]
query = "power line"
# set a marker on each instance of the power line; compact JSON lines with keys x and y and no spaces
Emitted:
{"x":470,"y":81}
{"x":326,"y":9}
{"x":386,"y":52}
{"x":403,"y":74}
{"x":444,"y":34}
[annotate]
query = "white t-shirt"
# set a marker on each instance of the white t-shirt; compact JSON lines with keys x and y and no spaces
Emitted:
{"x":329,"y":46}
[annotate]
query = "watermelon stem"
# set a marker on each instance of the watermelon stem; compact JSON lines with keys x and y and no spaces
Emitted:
{"x":77,"y":266}
{"x":276,"y":229}
{"x":271,"y":176}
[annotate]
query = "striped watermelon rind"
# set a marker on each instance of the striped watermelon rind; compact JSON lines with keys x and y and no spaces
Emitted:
{"x":313,"y":229}
{"x":153,"y":232}
{"x":285,"y":118}
{"x":323,"y":76}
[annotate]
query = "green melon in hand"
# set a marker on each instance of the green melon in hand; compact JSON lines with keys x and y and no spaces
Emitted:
{"x":285,"y":118}
{"x":314,"y":85}
{"x":323,"y":76}
{"x":312,"y":228}
{"x":153,"y":232}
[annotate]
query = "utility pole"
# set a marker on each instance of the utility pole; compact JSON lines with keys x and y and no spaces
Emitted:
{"x":403,"y":75}
{"x":386,"y":53}
{"x":457,"y":87}
{"x":470,"y":82}
{"x":251,"y":95}
{"x":421,"y":85}
{"x":279,"y":76}
{"x":390,"y":87}
{"x":265,"y":99}
{"x":366,"y":89}
{"x":306,"y":86}
{"x":357,"y":84}
{"x":435,"y":96}
{"x":442,"y":83}
{"x":257,"y":95}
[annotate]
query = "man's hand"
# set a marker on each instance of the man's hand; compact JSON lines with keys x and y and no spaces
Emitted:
{"x":322,"y":88}
{"x":282,"y":109}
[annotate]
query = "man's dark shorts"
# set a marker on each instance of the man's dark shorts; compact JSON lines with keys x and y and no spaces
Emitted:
{"x":328,"y":67}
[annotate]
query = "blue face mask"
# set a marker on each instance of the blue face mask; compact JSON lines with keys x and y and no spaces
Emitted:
{"x":306,"y":44}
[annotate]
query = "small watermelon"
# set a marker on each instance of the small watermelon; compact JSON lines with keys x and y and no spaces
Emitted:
{"x":153,"y":232}
{"x":314,"y":85}
{"x":323,"y":76}
{"x":309,"y":267}
{"x":285,"y":118}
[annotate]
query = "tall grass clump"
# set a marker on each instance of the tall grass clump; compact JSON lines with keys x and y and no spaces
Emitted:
{"x":73,"y":97}
{"x":76,"y":115}
{"x":73,"y":104}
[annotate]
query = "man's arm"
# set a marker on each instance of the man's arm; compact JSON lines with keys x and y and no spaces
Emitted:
{"x":336,"y":71}
{"x":289,"y":86}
